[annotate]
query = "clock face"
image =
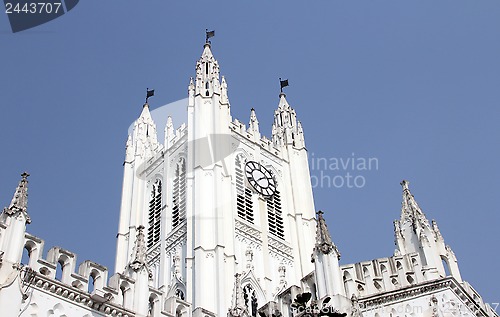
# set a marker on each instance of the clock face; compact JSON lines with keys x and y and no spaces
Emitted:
{"x":260,"y":178}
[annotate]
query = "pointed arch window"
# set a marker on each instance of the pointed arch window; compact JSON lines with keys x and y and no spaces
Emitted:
{"x":244,"y":204}
{"x":179,"y":194}
{"x":154,"y":216}
{"x":275,"y":215}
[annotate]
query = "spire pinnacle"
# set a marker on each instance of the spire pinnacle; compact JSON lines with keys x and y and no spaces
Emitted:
{"x":139,"y":260}
{"x":238,"y":308}
{"x":19,"y":202}
{"x":253,"y":125}
{"x":324,"y":243}
{"x":410,"y":211}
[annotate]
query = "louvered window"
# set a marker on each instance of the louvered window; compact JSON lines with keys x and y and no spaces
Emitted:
{"x":179,"y":194}
{"x":275,"y":215}
{"x":244,"y":204}
{"x":154,"y":216}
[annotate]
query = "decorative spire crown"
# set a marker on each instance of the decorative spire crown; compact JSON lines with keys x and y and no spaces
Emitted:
{"x":139,"y":260}
{"x":324,"y":243}
{"x":238,"y":309}
{"x":410,"y":211}
{"x":19,"y":202}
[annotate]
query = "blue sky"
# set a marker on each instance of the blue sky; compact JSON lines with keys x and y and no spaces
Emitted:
{"x":413,"y":84}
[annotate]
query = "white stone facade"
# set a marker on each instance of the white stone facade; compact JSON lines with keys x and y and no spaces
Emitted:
{"x":218,"y":220}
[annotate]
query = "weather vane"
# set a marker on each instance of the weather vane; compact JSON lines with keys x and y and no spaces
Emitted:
{"x":283,"y":83}
{"x":209,"y":34}
{"x":149,"y":93}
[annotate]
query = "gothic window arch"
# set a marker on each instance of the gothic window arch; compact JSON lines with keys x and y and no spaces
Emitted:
{"x":179,"y":194}
{"x":244,"y":204}
{"x":154,"y":215}
{"x":250,"y":298}
{"x":275,"y":215}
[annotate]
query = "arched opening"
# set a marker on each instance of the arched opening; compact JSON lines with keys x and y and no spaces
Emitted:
{"x":383,"y":269}
{"x":179,"y":194}
{"x":410,"y":279}
{"x":446,"y":267}
{"x":125,"y":294}
{"x":91,"y":284}
{"x":244,"y":203}
{"x":59,"y":270}
{"x":347,"y":279}
{"x":154,"y":215}
{"x":25,"y":260}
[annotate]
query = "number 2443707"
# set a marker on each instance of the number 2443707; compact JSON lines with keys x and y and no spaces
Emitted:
{"x":33,"y":7}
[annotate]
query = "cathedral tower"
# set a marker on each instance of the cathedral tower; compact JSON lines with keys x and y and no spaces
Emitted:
{"x":220,"y":204}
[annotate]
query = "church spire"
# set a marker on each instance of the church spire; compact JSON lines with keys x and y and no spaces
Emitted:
{"x":326,"y":261}
{"x":207,"y":73}
{"x":324,"y":243}
{"x":410,"y":211}
{"x":285,"y":128}
{"x":19,"y":202}
{"x":145,"y":137}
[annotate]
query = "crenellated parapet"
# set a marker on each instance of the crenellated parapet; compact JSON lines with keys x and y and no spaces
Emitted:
{"x":388,"y":281}
{"x":84,"y":287}
{"x":383,"y":274}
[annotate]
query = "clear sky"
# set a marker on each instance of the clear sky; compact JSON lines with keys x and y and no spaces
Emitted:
{"x":413,"y":84}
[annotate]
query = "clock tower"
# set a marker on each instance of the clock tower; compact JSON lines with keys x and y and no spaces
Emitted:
{"x":225,"y":210}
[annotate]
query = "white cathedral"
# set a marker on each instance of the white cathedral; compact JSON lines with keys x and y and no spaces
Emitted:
{"x":217,"y":220}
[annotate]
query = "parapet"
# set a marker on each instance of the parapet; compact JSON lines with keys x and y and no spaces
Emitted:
{"x":57,"y":277}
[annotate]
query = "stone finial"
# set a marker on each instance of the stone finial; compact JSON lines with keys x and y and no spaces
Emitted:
{"x":410,"y":211}
{"x":324,"y":243}
{"x":238,"y":308}
{"x":139,"y":260}
{"x":253,"y":125}
{"x":19,"y":202}
{"x":224,"y":98}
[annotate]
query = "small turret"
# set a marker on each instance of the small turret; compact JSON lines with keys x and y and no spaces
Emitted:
{"x":207,"y":74}
{"x":169,"y":132}
{"x":253,"y":125}
{"x":139,"y":271}
{"x":19,"y":203}
{"x":15,"y":217}
{"x":285,"y":127}
{"x":224,"y":99}
{"x":415,"y":234}
{"x":145,"y":137}
{"x":326,"y":261}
